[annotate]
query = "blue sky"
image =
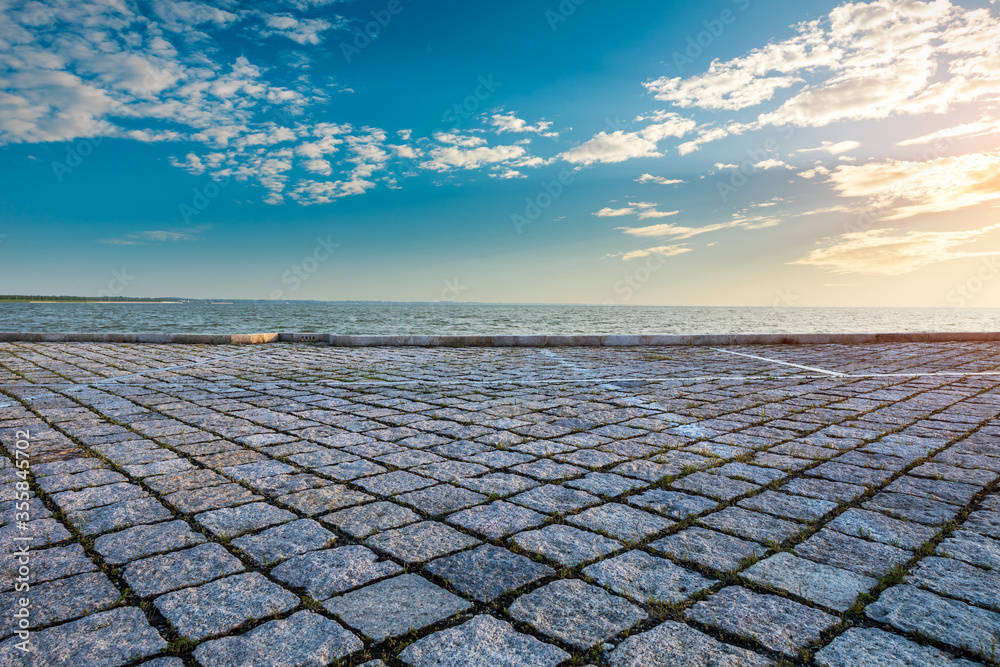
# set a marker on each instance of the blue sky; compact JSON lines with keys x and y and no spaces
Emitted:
{"x":744,"y":152}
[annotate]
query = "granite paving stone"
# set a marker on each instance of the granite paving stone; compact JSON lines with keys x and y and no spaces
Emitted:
{"x":950,"y":622}
{"x":139,"y":541}
{"x":391,"y":608}
{"x":877,"y":648}
{"x":852,"y":553}
{"x":788,"y":506}
{"x":180,"y":569}
{"x":397,"y":484}
{"x":421,"y":542}
{"x":488,"y":572}
{"x":107,"y":639}
{"x":882,"y":528}
{"x":184,"y":481}
{"x":755,"y":526}
{"x":971,"y":548}
{"x":824,"y":585}
{"x":274,"y":545}
{"x":497,"y":519}
{"x":823,"y":489}
{"x":958,"y":579}
{"x":323,"y":574}
{"x":46,"y":565}
{"x":194,"y":501}
{"x":85,"y":499}
{"x":673,"y":644}
{"x":324,"y":499}
{"x":672,"y":504}
{"x":647,"y":579}
{"x":499,"y":484}
{"x":80,"y":480}
{"x":913,"y":508}
{"x":714,"y":486}
{"x":565,"y":545}
{"x":776,"y":623}
{"x":222,"y":605}
{"x":954,"y":493}
{"x":984,"y":522}
{"x":484,"y":641}
{"x":553,"y":499}
{"x":391,"y":483}
{"x":606,"y":485}
{"x":359,"y":522}
{"x":235,"y":521}
{"x":119,"y":515}
{"x":576,"y":613}
{"x":709,"y":548}
{"x":61,"y":600}
{"x":441,"y":499}
{"x":624,"y":523}
{"x":301,"y":640}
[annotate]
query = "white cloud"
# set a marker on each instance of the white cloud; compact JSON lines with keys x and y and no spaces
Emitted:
{"x":191,"y":164}
{"x":456,"y":139}
{"x":447,"y":158}
{"x":814,"y":172}
{"x":664,"y":250}
{"x":157,"y":236}
{"x":643,"y":210}
{"x":328,"y":138}
{"x":891,"y":252}
{"x":670,"y":125}
{"x":978,"y":128}
{"x":181,"y":16}
{"x":319,"y":166}
{"x":865,"y":60}
{"x":300,"y":30}
{"x":508,"y":174}
{"x":511,"y":123}
{"x":771,"y":163}
{"x":659,"y":180}
{"x":899,"y":189}
{"x":674,"y":231}
{"x":615,"y":147}
{"x":834,"y":148}
{"x":608,"y":212}
{"x":680,"y":232}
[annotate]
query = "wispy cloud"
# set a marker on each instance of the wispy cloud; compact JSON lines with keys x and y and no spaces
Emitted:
{"x":511,"y":123}
{"x":892,"y":252}
{"x":643,"y":210}
{"x":834,"y":148}
{"x":664,"y":250}
{"x":659,"y":180}
{"x":903,"y":189}
{"x":157,"y":236}
{"x":865,"y":60}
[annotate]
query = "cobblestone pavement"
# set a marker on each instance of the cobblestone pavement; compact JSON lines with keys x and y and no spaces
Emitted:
{"x":303,"y":505}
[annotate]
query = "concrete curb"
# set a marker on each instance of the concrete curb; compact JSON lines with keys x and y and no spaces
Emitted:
{"x":503,"y":341}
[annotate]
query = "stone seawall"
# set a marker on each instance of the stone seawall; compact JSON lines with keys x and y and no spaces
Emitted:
{"x":579,"y":340}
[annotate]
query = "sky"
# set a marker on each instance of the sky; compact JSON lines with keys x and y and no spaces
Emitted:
{"x":724,"y":152}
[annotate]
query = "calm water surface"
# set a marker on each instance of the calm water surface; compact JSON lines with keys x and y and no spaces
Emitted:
{"x":456,"y":319}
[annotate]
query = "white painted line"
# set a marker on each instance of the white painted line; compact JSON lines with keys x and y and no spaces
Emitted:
{"x":775,"y":361}
{"x":579,"y":369}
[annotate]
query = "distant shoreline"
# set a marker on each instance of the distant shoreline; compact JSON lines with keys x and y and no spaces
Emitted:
{"x":84,"y":301}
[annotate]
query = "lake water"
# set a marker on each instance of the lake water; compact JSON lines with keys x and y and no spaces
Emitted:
{"x":458,"y":319}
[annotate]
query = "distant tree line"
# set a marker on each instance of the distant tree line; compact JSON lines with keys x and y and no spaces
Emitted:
{"x":20,"y":297}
